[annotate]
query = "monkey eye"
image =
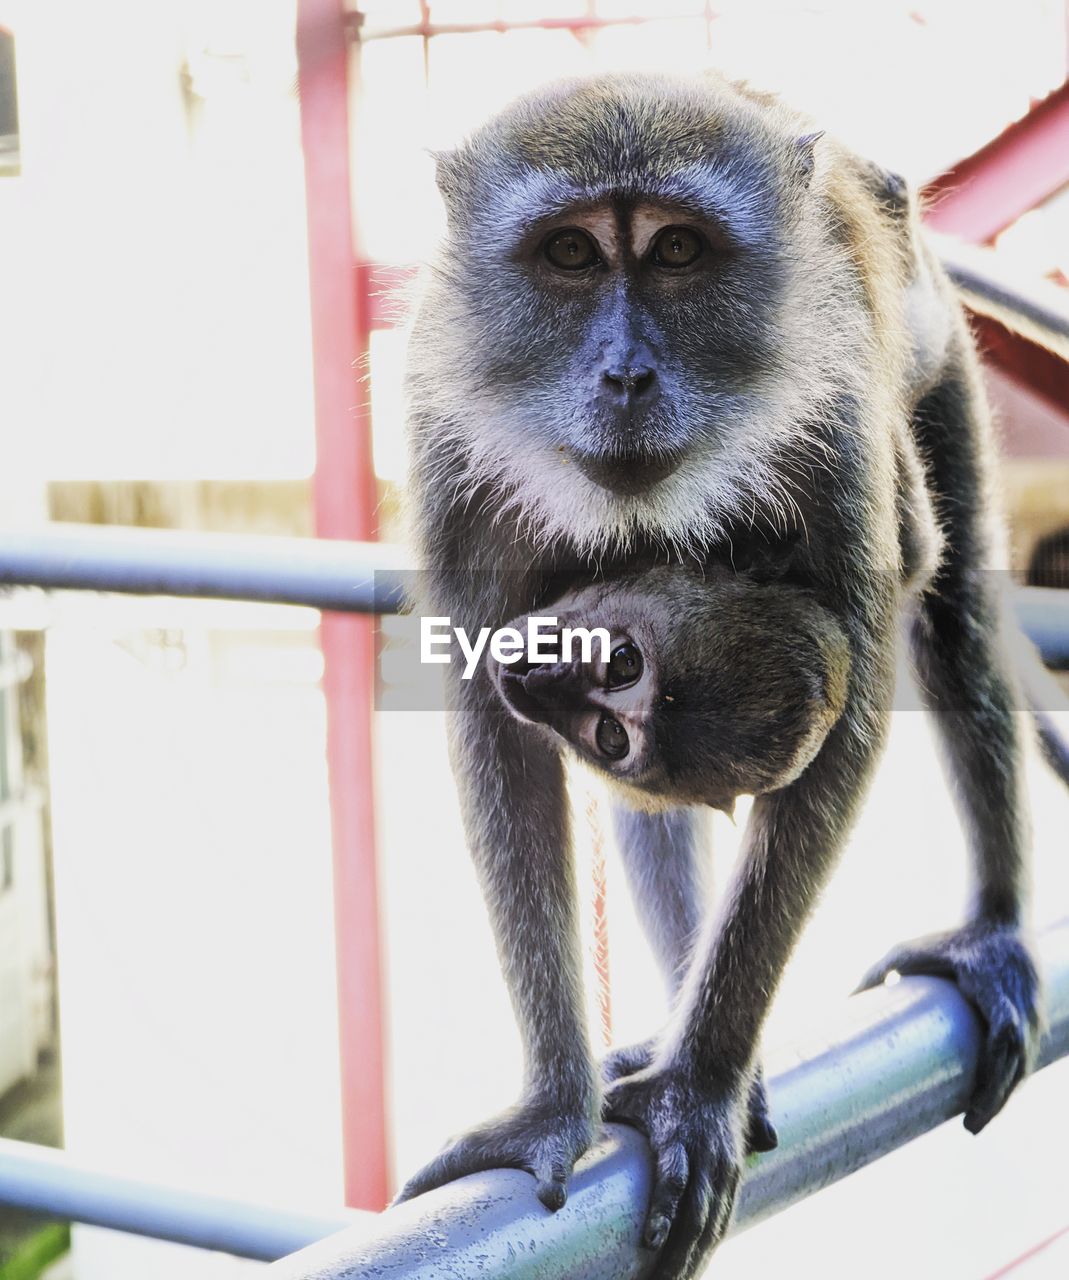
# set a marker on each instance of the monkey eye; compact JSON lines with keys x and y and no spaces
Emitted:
{"x":611,"y":737}
{"x":677,"y":247}
{"x":570,"y":250}
{"x":625,"y":665}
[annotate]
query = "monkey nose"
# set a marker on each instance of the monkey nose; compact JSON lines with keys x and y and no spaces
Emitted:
{"x":544,"y":675}
{"x":631,"y":385}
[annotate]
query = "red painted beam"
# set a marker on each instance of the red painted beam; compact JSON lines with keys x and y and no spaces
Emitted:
{"x":577,"y":25}
{"x":1043,"y":372}
{"x":1015,"y":172}
{"x":344,"y":498}
{"x":1022,"y":1262}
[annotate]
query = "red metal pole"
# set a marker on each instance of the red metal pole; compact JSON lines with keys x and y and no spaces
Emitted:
{"x":1015,"y":172}
{"x":345,"y":503}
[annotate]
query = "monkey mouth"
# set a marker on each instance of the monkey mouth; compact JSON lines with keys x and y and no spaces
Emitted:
{"x":628,"y":474}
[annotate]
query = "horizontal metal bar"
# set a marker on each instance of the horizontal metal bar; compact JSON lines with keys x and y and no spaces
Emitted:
{"x":352,"y":577}
{"x":901,"y":1065}
{"x":323,"y":573}
{"x":1043,"y":615}
{"x":51,"y":1182}
{"x":1038,"y":309}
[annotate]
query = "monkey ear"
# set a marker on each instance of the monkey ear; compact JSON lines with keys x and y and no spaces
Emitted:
{"x":451,"y":173}
{"x":805,"y":153}
{"x":893,"y":191}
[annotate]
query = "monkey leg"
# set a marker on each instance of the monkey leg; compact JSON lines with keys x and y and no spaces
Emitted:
{"x":665,"y":873}
{"x":693,"y":1100}
{"x":664,"y":866}
{"x":969,"y":689}
{"x":516,"y":820}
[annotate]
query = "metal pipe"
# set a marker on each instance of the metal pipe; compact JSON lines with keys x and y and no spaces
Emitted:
{"x":323,"y":573}
{"x":50,"y":1182}
{"x":902,"y":1064}
{"x":1043,"y":615}
{"x":329,"y":574}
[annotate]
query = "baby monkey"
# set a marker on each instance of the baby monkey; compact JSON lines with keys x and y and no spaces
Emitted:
{"x":710,"y":688}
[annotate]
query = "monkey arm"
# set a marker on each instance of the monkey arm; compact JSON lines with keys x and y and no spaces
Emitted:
{"x":663,"y":864}
{"x":692,"y":1101}
{"x":517,"y":824}
{"x":967,"y":681}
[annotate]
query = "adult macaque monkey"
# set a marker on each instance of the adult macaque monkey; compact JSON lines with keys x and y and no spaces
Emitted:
{"x":667,"y":316}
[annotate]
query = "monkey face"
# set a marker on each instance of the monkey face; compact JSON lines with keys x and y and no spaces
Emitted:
{"x":619,"y":330}
{"x":601,"y":708}
{"x":625,"y":295}
{"x":712,"y":689}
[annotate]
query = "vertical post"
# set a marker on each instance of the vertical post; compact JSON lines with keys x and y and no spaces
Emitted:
{"x":344,"y":503}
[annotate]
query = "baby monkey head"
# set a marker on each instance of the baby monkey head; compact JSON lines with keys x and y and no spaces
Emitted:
{"x":710,"y":689}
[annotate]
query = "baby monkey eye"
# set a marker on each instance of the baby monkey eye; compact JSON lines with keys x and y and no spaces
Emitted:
{"x":677,"y":247}
{"x":625,"y":665}
{"x":611,"y":737}
{"x":570,"y":250}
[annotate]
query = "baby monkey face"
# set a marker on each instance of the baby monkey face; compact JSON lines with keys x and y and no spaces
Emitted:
{"x":707,"y":690}
{"x":598,"y":698}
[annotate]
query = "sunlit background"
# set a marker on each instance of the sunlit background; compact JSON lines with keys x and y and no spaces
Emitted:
{"x":156,"y":369}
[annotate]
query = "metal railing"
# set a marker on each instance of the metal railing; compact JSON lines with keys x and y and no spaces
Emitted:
{"x":350,"y":577}
{"x":55,"y":1184}
{"x":901,"y":1064}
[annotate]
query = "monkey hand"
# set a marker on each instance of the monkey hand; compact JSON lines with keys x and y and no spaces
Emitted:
{"x":697,"y":1133}
{"x":993,"y":969}
{"x":630,"y":1059}
{"x":536,"y":1135}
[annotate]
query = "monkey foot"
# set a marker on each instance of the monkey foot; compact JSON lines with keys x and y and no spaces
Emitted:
{"x":993,"y":969}
{"x":628,"y":1061}
{"x":533,"y":1136}
{"x":696,"y":1133}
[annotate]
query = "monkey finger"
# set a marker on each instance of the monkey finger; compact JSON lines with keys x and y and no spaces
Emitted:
{"x":699,"y":1226}
{"x":436,"y":1174}
{"x":627,"y":1060}
{"x":552,"y":1184}
{"x":1002,"y":1065}
{"x":906,"y":961}
{"x":761,"y":1133}
{"x":453,"y":1163}
{"x":669,"y":1184}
